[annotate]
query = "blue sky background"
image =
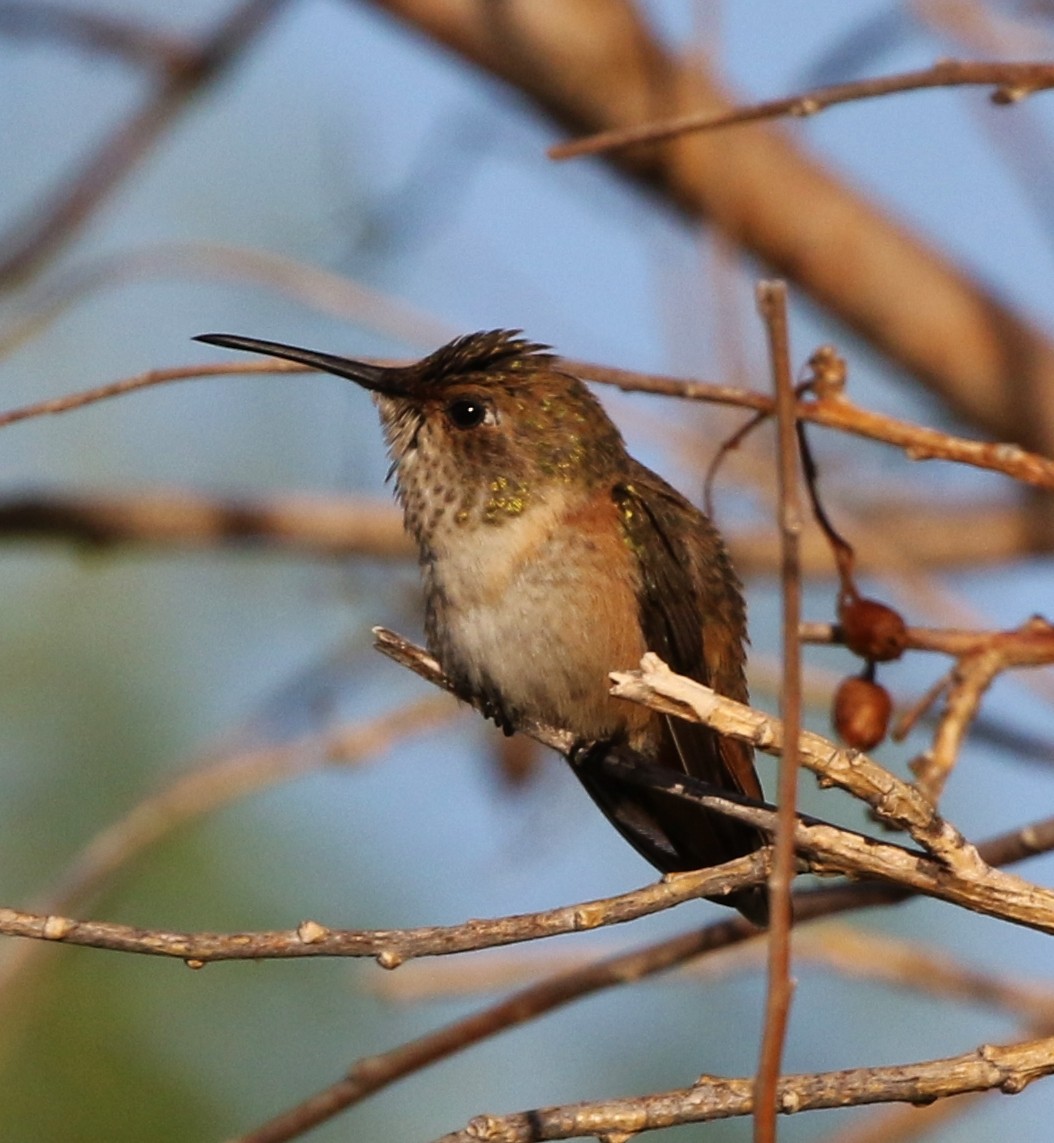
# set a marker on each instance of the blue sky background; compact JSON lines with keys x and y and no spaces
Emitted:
{"x":348,"y":144}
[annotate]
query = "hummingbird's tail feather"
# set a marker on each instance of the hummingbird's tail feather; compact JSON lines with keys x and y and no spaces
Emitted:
{"x":670,"y":831}
{"x":753,"y":903}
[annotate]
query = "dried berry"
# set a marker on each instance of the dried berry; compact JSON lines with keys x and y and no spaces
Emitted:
{"x":861,"y":712}
{"x":871,"y":629}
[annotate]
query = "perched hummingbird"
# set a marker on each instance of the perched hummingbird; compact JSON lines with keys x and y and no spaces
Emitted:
{"x":551,"y":557}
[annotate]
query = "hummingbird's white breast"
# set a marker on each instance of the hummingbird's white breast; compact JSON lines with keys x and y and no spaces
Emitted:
{"x":534,"y":612}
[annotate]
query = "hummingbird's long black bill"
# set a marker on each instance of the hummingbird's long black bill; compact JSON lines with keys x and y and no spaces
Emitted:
{"x":375,"y":377}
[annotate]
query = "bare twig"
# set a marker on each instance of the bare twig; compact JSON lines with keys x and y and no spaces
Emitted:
{"x":980,"y":657}
{"x":975,"y":670}
{"x":1007,"y":1068}
{"x":918,"y":442}
{"x":990,"y":365}
{"x":1030,"y":645}
{"x":390,"y":947}
{"x":375,"y":1072}
{"x":894,"y":801}
{"x":145,"y":380}
{"x":836,"y":411}
{"x":372,"y":1073}
{"x":985,"y":360}
{"x":854,"y":951}
{"x":421,"y":662}
{"x":959,"y":874}
{"x":827,"y":849}
{"x":214,"y":783}
{"x":1013,"y":81}
{"x":973,"y":885}
{"x":772,"y":301}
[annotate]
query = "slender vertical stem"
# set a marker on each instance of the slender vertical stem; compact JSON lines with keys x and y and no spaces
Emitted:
{"x":772,"y":302}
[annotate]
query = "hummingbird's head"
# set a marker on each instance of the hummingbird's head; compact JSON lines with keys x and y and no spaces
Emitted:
{"x":480,"y":428}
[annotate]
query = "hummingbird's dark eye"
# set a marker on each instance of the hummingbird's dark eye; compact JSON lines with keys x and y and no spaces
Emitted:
{"x":468,"y":412}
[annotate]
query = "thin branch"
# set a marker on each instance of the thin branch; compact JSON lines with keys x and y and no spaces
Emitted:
{"x":215,"y":782}
{"x":958,"y":875}
{"x":390,"y":947}
{"x":151,"y":377}
{"x":971,"y":676}
{"x":830,"y":849}
{"x":991,"y":366}
{"x":856,"y":951}
{"x":373,"y":1073}
{"x":772,"y":301}
{"x":980,"y":657}
{"x":1030,"y":645}
{"x":667,"y":385}
{"x":1006,"y":1068}
{"x":837,"y":411}
{"x":827,"y":849}
{"x":407,"y":654}
{"x":920,"y":443}
{"x":1013,"y":81}
{"x":834,"y":411}
{"x":893,"y":800}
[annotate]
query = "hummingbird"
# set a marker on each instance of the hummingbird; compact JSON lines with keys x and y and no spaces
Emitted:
{"x":549,"y":558}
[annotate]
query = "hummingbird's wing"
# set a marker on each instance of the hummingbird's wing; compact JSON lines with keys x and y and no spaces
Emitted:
{"x":692,"y":614}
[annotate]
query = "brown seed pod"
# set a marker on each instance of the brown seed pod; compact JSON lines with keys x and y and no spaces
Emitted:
{"x":860,"y":713}
{"x":871,"y":629}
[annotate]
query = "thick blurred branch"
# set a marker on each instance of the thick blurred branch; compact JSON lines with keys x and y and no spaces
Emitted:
{"x":316,"y":525}
{"x":597,"y":66}
{"x":130,"y":40}
{"x":976,"y":534}
{"x":310,"y":524}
